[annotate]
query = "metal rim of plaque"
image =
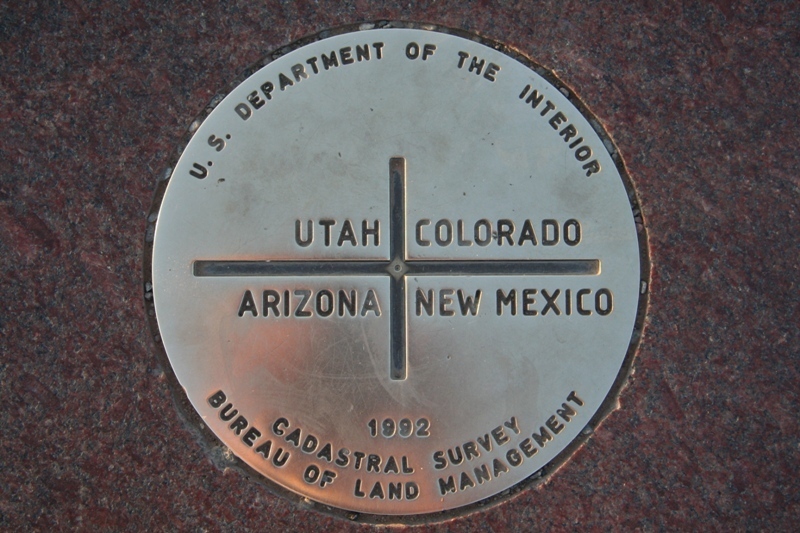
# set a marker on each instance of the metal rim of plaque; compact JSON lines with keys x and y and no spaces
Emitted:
{"x":399,"y":270}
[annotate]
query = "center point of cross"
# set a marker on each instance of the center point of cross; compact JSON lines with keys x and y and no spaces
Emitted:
{"x":397,"y":268}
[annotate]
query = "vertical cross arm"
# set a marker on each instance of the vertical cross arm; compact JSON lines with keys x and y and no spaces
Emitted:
{"x":397,"y":225}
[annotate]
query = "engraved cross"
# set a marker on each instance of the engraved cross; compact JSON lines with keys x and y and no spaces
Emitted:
{"x":398,"y":267}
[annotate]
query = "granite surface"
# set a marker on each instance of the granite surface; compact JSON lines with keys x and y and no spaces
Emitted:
{"x":702,"y":100}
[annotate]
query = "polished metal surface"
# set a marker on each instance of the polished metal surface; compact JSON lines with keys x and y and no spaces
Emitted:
{"x":397,"y":271}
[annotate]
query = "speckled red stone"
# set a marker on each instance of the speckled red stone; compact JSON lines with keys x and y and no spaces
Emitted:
{"x":702,"y":100}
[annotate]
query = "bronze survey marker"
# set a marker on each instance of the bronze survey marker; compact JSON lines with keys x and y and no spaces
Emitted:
{"x":397,"y":271}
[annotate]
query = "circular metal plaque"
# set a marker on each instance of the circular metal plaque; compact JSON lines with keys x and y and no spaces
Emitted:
{"x":397,"y":270}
